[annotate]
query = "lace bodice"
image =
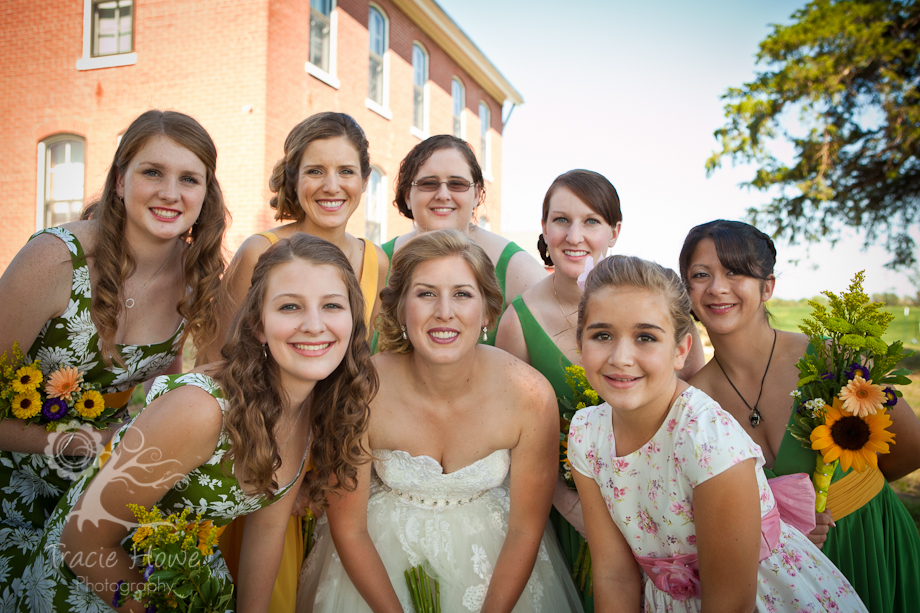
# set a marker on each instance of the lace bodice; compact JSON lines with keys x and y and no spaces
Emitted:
{"x":421,"y":479}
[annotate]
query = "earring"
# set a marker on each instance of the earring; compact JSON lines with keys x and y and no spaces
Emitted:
{"x":485,"y":334}
{"x":405,"y":336}
{"x":265,"y":351}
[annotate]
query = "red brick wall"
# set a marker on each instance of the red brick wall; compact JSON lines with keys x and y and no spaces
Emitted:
{"x":210,"y":59}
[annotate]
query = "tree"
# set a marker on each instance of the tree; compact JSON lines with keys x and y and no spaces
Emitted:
{"x":851,"y":69}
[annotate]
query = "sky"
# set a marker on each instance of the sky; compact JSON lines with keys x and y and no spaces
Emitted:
{"x":633,"y":90}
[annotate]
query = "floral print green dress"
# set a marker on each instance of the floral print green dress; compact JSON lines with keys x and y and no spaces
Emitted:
{"x":32,"y":484}
{"x":48,"y":585}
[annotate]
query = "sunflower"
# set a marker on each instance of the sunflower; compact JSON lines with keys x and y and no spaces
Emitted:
{"x":861,"y":397}
{"x":27,"y":378}
{"x":852,"y":439}
{"x":27,"y":405}
{"x":90,"y":405}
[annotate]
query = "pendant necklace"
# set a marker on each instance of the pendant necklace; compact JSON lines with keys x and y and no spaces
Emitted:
{"x":130,"y":301}
{"x":755,"y":416}
{"x":561,"y":310}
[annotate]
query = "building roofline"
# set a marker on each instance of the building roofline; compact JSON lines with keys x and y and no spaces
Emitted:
{"x":437,"y":24}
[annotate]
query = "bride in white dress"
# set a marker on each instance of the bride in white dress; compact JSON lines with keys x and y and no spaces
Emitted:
{"x":452,"y":419}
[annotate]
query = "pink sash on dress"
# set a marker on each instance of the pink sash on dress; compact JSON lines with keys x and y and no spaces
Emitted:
{"x":679,"y":576}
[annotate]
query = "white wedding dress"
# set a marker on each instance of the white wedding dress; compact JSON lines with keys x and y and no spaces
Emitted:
{"x":454,"y":524}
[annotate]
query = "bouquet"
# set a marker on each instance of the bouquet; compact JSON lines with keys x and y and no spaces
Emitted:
{"x":175,"y":568}
{"x":584,"y":396}
{"x":845,"y":386}
{"x":26,"y":394}
{"x":424,"y":589}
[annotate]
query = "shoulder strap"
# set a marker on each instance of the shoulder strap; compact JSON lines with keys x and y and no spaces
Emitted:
{"x":70,"y":240}
{"x":388,"y":248}
{"x":501,"y":268}
{"x":272,"y":237}
{"x":369,"y":279}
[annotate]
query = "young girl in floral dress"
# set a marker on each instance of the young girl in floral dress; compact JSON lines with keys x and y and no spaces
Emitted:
{"x":671,"y":486}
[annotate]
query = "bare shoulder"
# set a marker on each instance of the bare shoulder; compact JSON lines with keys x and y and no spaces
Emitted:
{"x":519,"y":379}
{"x":253,"y":247}
{"x":703,"y":379}
{"x":190,"y":405}
{"x":793,"y":344}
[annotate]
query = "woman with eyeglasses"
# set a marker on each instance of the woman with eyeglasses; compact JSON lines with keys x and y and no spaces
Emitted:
{"x":439,"y":186}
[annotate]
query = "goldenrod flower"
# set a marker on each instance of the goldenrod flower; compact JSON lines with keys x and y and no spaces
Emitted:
{"x":143,"y":532}
{"x":26,"y":379}
{"x":63,"y":382}
{"x":852,"y":439}
{"x":90,"y":405}
{"x":861,"y":397}
{"x":27,"y":405}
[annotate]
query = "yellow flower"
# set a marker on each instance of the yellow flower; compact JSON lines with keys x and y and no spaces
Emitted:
{"x":853,"y":439}
{"x":143,"y":532}
{"x":861,"y":397}
{"x":63,"y":382}
{"x":27,"y":405}
{"x":90,"y":405}
{"x":26,"y":379}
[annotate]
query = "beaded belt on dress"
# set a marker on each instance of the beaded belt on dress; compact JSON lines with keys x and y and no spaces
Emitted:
{"x":427,"y":501}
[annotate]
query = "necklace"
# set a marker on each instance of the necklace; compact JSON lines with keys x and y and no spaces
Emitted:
{"x":755,"y":416}
{"x":130,"y":301}
{"x":287,"y":440}
{"x":561,"y":310}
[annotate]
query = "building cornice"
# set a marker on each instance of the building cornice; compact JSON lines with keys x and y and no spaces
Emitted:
{"x":438,"y":25}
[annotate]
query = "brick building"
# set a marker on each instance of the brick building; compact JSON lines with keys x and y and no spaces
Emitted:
{"x":77,"y":72}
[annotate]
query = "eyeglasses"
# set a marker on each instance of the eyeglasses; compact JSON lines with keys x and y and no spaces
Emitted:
{"x":432,"y":185}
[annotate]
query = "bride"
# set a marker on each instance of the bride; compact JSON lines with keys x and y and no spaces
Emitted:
{"x":450,"y":421}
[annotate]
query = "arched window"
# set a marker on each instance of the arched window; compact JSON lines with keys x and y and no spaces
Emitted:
{"x":485,"y":153}
{"x":376,"y":210}
{"x":379,"y":42}
{"x":60,"y":187}
{"x":458,"y":96}
{"x":419,"y":90}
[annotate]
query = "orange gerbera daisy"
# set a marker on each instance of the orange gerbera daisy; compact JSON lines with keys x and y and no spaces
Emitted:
{"x":63,"y":382}
{"x":861,"y":397}
{"x":852,"y":439}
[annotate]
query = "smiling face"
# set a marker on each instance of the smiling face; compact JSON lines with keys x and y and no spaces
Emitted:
{"x":722,"y":300}
{"x":444,"y":310}
{"x":163,"y":188}
{"x":573,"y":231}
{"x":628,"y":348}
{"x":443,"y":208}
{"x":329,"y":182}
{"x":307,"y":322}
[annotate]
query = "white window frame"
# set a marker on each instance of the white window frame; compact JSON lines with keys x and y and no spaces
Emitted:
{"x":42,"y":174}
{"x":382,"y":204}
{"x":88,"y":62}
{"x":424,"y":131}
{"x":485,"y":141}
{"x":329,"y":77}
{"x":381,"y":109}
{"x":462,"y":116}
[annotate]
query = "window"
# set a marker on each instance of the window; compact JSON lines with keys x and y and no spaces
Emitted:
{"x":458,"y":94}
{"x":485,"y":153}
{"x":378,"y":63}
{"x":321,"y":63}
{"x":419,"y":91}
{"x":375,"y":224}
{"x":108,"y":34}
{"x":60,"y":180}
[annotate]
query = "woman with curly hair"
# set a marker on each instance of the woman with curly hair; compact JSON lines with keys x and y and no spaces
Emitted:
{"x":452,"y":420}
{"x":228,"y":439}
{"x":114,"y":296}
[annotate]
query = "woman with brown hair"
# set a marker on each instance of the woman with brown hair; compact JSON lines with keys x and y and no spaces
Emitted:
{"x":113,"y":296}
{"x":453,"y":418}
{"x":228,"y":439}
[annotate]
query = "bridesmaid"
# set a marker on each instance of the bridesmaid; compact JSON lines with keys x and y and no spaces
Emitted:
{"x":581,"y":219}
{"x":114,"y":295}
{"x":318,"y":185}
{"x":439,"y":186}
{"x":229,"y":439}
{"x":728,"y":268}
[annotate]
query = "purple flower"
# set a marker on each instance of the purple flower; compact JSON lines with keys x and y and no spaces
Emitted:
{"x":151,"y":608}
{"x":857,"y":369}
{"x":116,"y":599}
{"x":828,"y":376}
{"x":148,"y":570}
{"x":54,"y":409}
{"x":891,"y":398}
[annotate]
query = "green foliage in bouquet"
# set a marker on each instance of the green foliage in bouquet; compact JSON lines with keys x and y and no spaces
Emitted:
{"x":424,"y":589}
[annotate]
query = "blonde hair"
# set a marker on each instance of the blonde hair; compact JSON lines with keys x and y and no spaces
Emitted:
{"x":424,"y":248}
{"x":252,"y":383}
{"x":629,"y":271}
